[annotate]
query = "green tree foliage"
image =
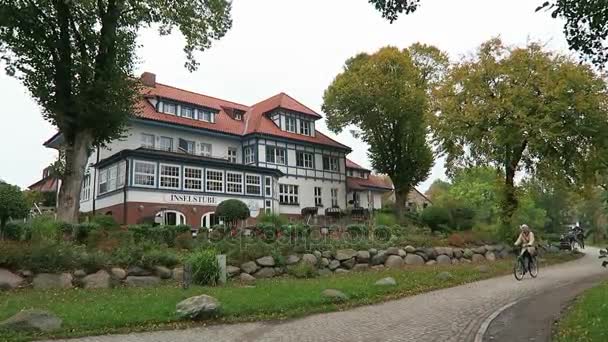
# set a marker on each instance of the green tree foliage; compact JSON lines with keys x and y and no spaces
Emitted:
{"x":77,"y":57}
{"x":521,"y":108}
{"x":558,"y":202}
{"x":592,"y":211}
{"x":437,"y":190}
{"x":586,"y":22}
{"x":386,"y":95}
{"x":232,"y":211}
{"x":13,"y":204}
{"x":478,"y":188}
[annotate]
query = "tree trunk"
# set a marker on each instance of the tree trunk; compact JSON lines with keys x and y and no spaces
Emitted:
{"x":509,"y":202}
{"x":400,"y":202}
{"x":76,"y":157}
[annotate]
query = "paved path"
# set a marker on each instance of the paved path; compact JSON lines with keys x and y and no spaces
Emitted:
{"x":453,"y":314}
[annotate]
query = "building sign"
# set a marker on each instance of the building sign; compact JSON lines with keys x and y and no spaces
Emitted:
{"x":191,"y":199}
{"x":253,"y":205}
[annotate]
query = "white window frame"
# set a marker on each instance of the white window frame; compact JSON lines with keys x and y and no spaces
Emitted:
{"x":249,"y":153}
{"x":121,"y":171}
{"x":145,"y":144}
{"x":268,"y":186}
{"x":85,"y":191}
{"x":161,"y":176}
{"x":206,"y":115}
{"x":103,"y":179}
{"x":275,"y":155}
{"x":331,"y":165}
{"x":192,"y":112}
{"x":318,"y":194}
{"x":160,"y":144}
{"x":289,"y":194}
{"x":168,"y":104}
{"x":135,"y":174}
{"x":232,"y":173}
{"x":259,"y":184}
{"x":307,"y":164}
{"x":206,"y":154}
{"x":268,"y":206}
{"x":189,"y":143}
{"x":214,"y":180}
{"x":305,"y":127}
{"x":232,"y":154}
{"x":201,"y":178}
{"x":334,"y":197}
{"x":288,"y":127}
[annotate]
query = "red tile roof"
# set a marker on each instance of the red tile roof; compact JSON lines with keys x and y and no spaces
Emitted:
{"x":373,"y":182}
{"x":48,"y":184}
{"x":254,"y":120}
{"x":352,"y":165}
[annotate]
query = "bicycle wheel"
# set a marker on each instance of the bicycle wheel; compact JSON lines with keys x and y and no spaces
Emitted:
{"x":518,"y":269}
{"x":534,"y":268}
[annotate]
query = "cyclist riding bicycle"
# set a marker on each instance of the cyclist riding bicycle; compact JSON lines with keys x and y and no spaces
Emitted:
{"x":526,"y":240}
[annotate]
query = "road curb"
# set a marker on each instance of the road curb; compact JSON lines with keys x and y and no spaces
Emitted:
{"x":486,"y":323}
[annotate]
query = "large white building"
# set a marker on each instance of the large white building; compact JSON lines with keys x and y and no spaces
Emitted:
{"x":186,"y":152}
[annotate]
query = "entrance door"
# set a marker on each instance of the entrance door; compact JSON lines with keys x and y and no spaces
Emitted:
{"x":209,"y":220}
{"x":171,"y":218}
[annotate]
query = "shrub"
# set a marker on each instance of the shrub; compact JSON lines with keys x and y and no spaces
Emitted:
{"x":232,"y":211}
{"x":357,"y":230}
{"x":184,"y":241}
{"x":436,"y":217}
{"x":269,"y":230}
{"x":45,"y":229}
{"x":382,"y":233}
{"x":158,"y":257}
{"x":52,"y":257}
{"x":104,"y":221}
{"x":16,"y":231}
{"x":303,"y":270}
{"x":93,"y":261}
{"x":275,"y":219}
{"x":146,"y":255}
{"x":80,"y":232}
{"x":385,"y":219}
{"x":205,"y":268}
{"x":158,"y":234}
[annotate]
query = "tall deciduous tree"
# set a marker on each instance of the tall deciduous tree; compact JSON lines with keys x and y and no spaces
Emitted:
{"x":586,"y":26}
{"x":77,"y":59}
{"x":521,"y":109}
{"x":387,"y":97}
{"x":12,"y":204}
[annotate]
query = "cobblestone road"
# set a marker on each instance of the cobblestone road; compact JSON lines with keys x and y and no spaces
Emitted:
{"x":453,"y":314}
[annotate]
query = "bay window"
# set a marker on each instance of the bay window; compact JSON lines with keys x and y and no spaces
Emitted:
{"x":169,"y":176}
{"x":215,"y":180}
{"x":193,"y":178}
{"x":253,"y":185}
{"x":234,"y":182}
{"x":276,"y":155}
{"x":144,"y":174}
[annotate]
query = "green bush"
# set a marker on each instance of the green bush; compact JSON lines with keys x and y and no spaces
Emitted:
{"x":146,"y":255}
{"x":436,"y":217}
{"x":357,"y":231}
{"x":45,"y":229}
{"x":268,"y":230}
{"x":158,"y":234}
{"x":205,"y":268}
{"x":94,"y":261}
{"x":80,"y":232}
{"x":232,"y":211}
{"x":16,"y":231}
{"x":52,"y":257}
{"x":275,"y":219}
{"x":385,"y":219}
{"x":382,"y":233}
{"x":104,"y":221}
{"x":303,"y":270}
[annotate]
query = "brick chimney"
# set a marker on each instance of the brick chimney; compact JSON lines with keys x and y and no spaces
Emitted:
{"x":148,"y":79}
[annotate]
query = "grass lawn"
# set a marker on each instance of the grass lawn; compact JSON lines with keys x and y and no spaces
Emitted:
{"x":587,"y":319}
{"x":95,"y":312}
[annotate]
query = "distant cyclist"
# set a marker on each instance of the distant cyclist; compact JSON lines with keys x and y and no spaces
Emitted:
{"x":526,"y":241}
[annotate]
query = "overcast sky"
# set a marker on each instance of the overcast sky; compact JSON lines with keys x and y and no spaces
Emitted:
{"x":295,"y":46}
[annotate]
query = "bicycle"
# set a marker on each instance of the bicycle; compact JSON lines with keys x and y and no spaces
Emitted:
{"x":520,"y":268}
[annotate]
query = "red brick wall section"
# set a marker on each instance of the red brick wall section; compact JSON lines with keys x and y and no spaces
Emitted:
{"x":141,"y":212}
